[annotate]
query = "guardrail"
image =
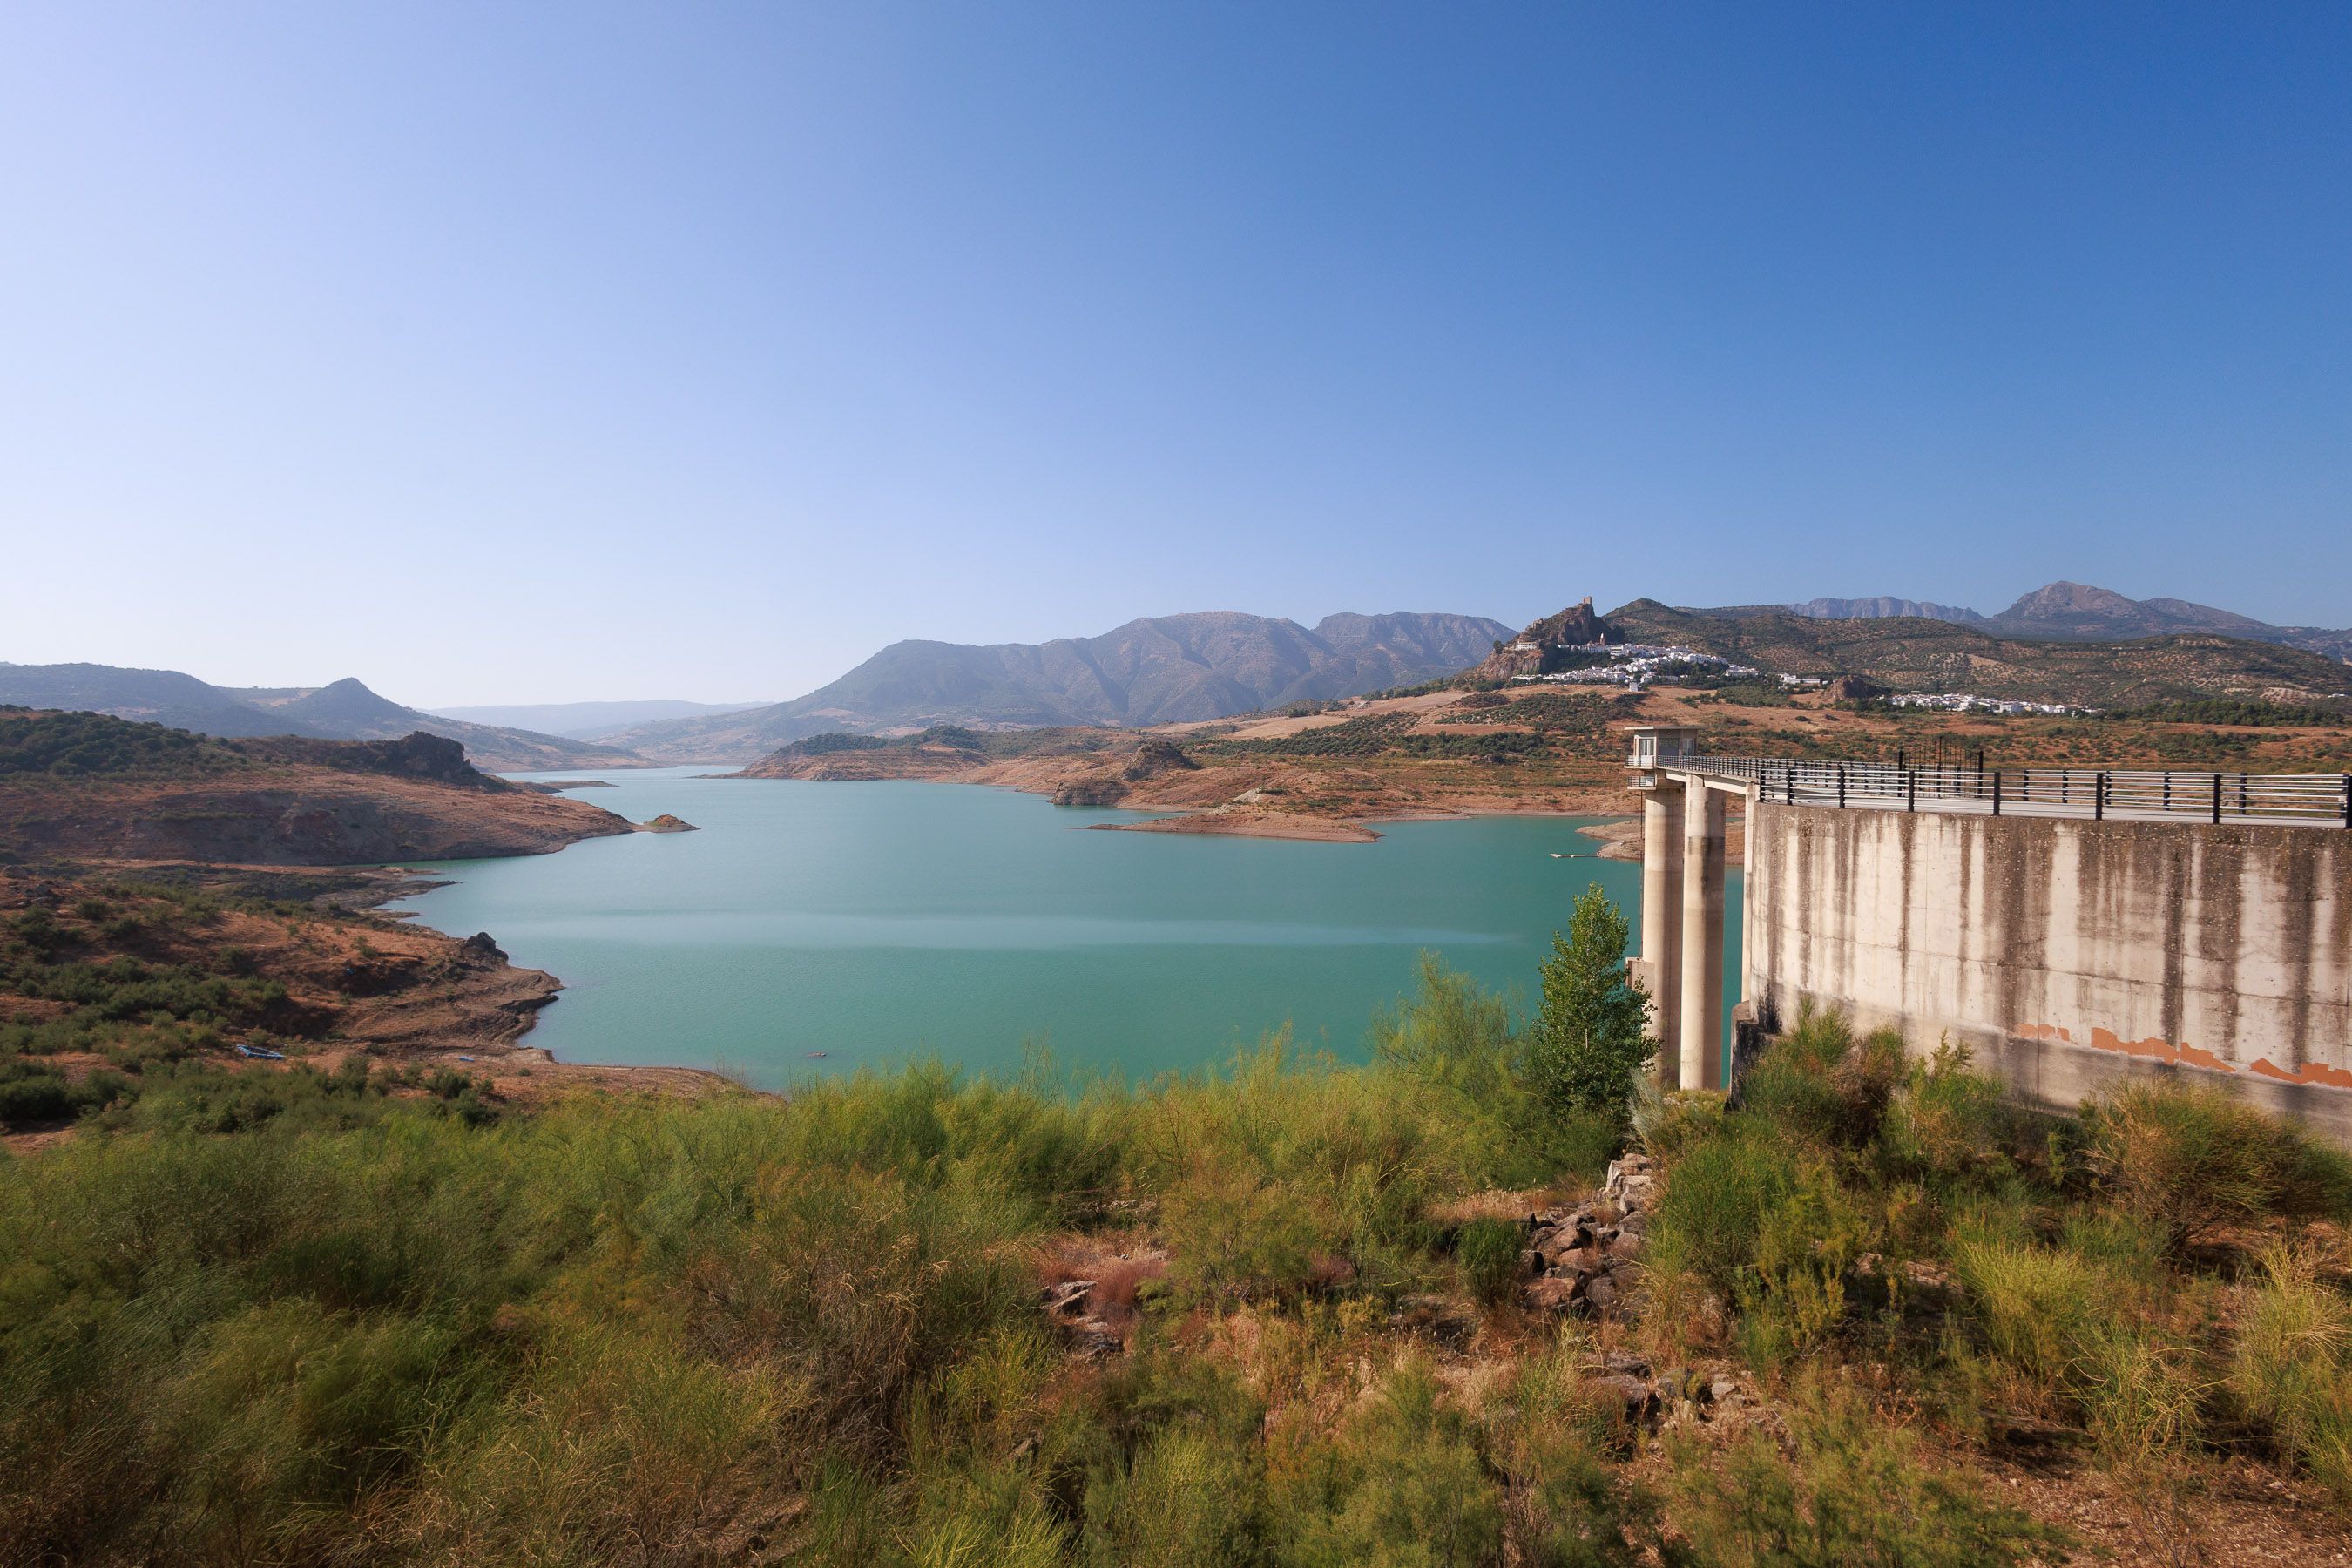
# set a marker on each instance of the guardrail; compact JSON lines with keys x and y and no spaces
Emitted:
{"x":2098,"y":794}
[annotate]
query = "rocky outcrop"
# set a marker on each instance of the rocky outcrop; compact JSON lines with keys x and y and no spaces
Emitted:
{"x":1647,"y":1395}
{"x":1586,"y":1259}
{"x":1154,"y":758}
{"x":416,"y":755}
{"x":665,"y":822}
{"x":1546,"y":644}
{"x":1091,"y":790}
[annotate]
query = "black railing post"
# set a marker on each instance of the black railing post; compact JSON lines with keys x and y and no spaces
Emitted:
{"x":2167,"y":789}
{"x":2099,"y":795}
{"x":2065,"y":786}
{"x":2347,"y":800}
{"x":1911,"y":789}
{"x":1996,"y":792}
{"x":2217,"y":799}
{"x":1841,"y":776}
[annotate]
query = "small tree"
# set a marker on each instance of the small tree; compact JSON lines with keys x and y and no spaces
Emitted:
{"x":1587,"y":1044}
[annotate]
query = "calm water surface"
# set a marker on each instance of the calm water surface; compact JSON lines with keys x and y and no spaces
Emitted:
{"x":875,"y":923}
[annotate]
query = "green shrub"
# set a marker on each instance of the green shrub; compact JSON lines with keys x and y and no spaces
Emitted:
{"x":2291,"y":1368}
{"x":1490,"y":1253}
{"x":1546,"y":1437}
{"x":1191,"y":1500}
{"x":1808,"y":1240}
{"x":2187,"y":1158}
{"x":1856,"y":1490}
{"x":1454,"y":1040}
{"x":2037,"y":1306}
{"x":1402,"y":1485}
{"x":1818,"y":1083}
{"x":1949,"y":1124}
{"x":1713,"y":1204}
{"x":33,"y":1098}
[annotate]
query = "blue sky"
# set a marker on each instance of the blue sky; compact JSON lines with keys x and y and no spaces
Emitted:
{"x":493,"y":352}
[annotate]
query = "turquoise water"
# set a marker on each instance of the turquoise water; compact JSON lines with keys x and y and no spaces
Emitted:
{"x":875,"y":923}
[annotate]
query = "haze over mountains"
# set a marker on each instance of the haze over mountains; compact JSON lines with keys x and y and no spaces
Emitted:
{"x":589,"y":720}
{"x":2077,"y":612}
{"x":1166,"y":668}
{"x":341,"y":711}
{"x":1154,"y":670}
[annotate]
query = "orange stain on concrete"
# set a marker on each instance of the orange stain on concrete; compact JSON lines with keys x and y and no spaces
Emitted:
{"x":2312,"y":1073}
{"x":2153,"y":1048}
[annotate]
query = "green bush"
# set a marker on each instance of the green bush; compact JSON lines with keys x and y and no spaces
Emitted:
{"x":2036,"y":1306}
{"x":1818,"y":1083}
{"x":2187,"y":1158}
{"x":1949,"y":1124}
{"x":1403,"y":1484}
{"x":1714,"y":1203}
{"x":1490,"y":1252}
{"x":1455,"y":1041}
{"x":2291,"y":1368}
{"x":1854,"y":1492}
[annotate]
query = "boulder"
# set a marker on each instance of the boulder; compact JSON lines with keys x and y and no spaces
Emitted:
{"x":1632,"y":1393}
{"x":1577,"y":1261}
{"x":1555,"y":1292}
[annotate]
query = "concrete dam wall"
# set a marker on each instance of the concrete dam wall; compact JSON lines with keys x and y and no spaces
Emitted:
{"x":2068,"y":953}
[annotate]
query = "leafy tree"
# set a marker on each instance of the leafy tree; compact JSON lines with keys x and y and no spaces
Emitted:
{"x":1588,"y":1042}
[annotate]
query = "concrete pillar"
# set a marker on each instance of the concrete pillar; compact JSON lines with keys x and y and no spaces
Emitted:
{"x":1702,"y":945}
{"x":1662,"y":922}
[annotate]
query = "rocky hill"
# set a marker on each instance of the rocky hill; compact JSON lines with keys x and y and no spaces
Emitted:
{"x":1158,"y":669}
{"x":1919,"y":654}
{"x":1549,"y":644}
{"x":341,"y":710}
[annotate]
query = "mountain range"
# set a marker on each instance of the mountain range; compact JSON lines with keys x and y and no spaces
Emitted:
{"x":2077,"y":612}
{"x":1926,"y":653}
{"x":341,"y":711}
{"x":1155,"y":670}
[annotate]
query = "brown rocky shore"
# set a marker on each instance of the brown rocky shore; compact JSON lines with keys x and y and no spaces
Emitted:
{"x":154,"y":853}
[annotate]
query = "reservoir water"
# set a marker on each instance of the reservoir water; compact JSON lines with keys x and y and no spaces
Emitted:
{"x":878,"y":923}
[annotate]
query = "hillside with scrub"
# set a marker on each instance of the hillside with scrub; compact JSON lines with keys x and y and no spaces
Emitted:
{"x":78,"y":788}
{"x":1295,"y":1312}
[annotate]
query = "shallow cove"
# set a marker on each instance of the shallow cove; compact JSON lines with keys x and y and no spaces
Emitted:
{"x":878,"y":923}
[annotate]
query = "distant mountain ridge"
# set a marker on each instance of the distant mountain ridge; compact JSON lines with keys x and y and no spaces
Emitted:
{"x":2077,"y":611}
{"x":1154,"y":670}
{"x":589,"y":720}
{"x":341,"y":711}
{"x":1883,"y":608}
{"x":1925,"y":654}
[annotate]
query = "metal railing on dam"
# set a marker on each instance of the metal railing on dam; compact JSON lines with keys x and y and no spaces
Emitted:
{"x":2133,"y":794}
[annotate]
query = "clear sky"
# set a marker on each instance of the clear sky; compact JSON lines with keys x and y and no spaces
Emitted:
{"x":503,"y":353}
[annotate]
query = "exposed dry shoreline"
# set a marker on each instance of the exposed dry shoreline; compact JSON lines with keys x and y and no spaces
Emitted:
{"x":1621,"y":839}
